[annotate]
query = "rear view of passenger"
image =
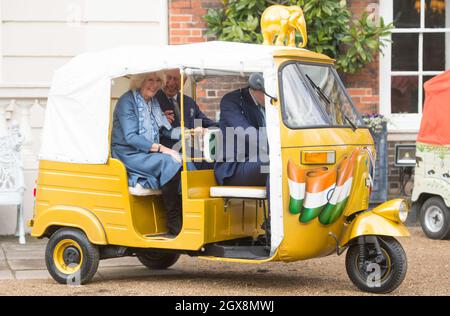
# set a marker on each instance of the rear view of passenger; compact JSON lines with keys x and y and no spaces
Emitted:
{"x":246,"y":164}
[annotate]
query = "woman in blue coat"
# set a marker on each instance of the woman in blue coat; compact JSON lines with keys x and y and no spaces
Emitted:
{"x":137,"y":124}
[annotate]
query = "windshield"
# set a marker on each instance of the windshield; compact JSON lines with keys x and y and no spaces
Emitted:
{"x":313,"y":96}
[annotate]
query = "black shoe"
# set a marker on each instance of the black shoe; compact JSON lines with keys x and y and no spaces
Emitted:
{"x":266,"y":226}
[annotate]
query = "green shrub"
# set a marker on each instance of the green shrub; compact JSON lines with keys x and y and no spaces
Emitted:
{"x":331,"y":30}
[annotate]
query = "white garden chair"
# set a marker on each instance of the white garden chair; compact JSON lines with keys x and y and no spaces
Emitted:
{"x":12,"y":186}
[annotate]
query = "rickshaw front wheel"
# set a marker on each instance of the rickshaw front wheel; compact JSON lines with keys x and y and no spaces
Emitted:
{"x":157,"y":260}
{"x":70,"y":257}
{"x":374,"y":273}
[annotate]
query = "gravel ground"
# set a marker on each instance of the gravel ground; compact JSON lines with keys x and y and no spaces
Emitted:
{"x":428,"y":274}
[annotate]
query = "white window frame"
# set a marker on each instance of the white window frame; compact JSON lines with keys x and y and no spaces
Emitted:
{"x":406,"y":122}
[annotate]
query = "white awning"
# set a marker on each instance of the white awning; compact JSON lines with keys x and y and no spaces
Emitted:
{"x":78,"y":109}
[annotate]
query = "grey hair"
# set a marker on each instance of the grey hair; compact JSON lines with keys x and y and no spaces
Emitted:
{"x":137,"y":80}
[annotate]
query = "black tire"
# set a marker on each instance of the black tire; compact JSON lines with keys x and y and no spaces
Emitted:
{"x":157,"y":260}
{"x":88,"y":261}
{"x":435,"y":218}
{"x":393,"y":270}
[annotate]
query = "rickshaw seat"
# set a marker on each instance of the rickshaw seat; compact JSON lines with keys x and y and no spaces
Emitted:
{"x":241,"y":192}
{"x":210,"y":139}
{"x":138,"y":190}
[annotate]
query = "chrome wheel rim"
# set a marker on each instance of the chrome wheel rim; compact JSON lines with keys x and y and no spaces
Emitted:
{"x":434,"y":219}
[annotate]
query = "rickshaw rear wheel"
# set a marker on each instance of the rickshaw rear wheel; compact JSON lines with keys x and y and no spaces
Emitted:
{"x":377,"y":277}
{"x":157,"y":260}
{"x":435,"y":218}
{"x":70,"y":257}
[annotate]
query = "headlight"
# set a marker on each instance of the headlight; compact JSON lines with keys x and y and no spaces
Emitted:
{"x":403,"y":210}
{"x":394,"y":210}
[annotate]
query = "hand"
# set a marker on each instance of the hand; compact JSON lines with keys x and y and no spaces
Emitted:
{"x":200,"y":130}
{"x":170,"y":116}
{"x":174,"y":154}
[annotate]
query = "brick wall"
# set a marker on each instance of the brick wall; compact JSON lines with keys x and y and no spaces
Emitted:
{"x":186,"y":23}
{"x":364,"y":89}
{"x":188,"y":26}
{"x":364,"y":86}
{"x":211,"y":91}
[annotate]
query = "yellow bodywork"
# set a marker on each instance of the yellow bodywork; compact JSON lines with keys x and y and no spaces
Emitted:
{"x":304,"y":241}
{"x":95,"y":199}
{"x":310,"y":240}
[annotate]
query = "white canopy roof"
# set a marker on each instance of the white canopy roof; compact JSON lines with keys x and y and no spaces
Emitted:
{"x":78,"y":109}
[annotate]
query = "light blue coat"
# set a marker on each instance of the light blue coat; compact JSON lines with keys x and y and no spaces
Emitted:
{"x":151,"y":170}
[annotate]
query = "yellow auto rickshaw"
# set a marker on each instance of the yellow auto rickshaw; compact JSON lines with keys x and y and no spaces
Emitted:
{"x":321,"y":167}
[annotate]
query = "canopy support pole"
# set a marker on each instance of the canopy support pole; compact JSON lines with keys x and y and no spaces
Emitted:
{"x":183,"y":132}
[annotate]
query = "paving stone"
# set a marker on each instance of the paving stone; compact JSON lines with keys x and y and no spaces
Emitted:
{"x":2,"y":254}
{"x":15,"y":246}
{"x":3,"y":265}
{"x":43,"y":275}
{"x":19,"y":254}
{"x":32,"y":275}
{"x":12,"y":250}
{"x":6,"y":275}
{"x":120,"y":262}
{"x":27,"y":264}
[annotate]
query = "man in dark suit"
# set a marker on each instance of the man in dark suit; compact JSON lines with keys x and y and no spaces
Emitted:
{"x":246,"y":160}
{"x":194,"y":118}
{"x":169,"y":100}
{"x":242,"y":112}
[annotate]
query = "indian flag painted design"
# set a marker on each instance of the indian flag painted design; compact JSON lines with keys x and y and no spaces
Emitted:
{"x":341,"y":193}
{"x":320,"y":184}
{"x":321,"y":192}
{"x":296,"y":181}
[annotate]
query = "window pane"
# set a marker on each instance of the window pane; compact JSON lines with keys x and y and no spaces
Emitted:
{"x":406,"y":14}
{"x":404,"y":94}
{"x":405,"y":49}
{"x":434,"y":51}
{"x":331,"y":95}
{"x":300,"y":109}
{"x":435,"y":14}
{"x":313,"y":96}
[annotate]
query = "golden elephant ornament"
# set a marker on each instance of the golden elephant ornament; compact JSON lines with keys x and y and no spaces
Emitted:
{"x":282,"y":22}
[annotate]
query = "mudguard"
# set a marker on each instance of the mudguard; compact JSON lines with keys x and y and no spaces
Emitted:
{"x":69,"y":216}
{"x":374,"y":223}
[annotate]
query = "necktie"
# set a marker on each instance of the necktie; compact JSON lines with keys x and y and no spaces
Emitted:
{"x":176,"y":108}
{"x":263,"y":112}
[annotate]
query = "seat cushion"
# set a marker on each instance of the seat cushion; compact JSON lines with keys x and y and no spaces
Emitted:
{"x":138,"y":190}
{"x":238,"y":192}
